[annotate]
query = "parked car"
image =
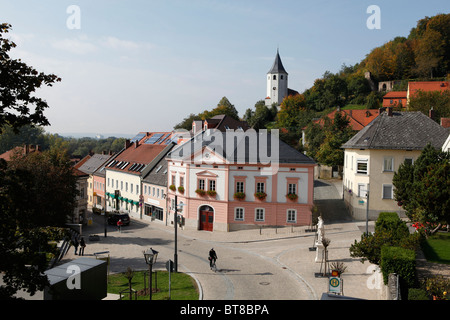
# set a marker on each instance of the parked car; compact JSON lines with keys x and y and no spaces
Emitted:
{"x":114,"y":217}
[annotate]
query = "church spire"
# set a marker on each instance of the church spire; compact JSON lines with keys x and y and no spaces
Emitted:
{"x":277,"y":65}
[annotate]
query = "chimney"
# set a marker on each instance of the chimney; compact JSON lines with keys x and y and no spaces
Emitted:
{"x":127,"y":143}
{"x":389,"y":111}
{"x":136,"y":144}
{"x":431,"y":113}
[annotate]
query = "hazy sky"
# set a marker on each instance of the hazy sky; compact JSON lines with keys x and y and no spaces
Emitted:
{"x":144,"y":65}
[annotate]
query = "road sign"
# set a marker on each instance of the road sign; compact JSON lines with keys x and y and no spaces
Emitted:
{"x":334,"y":285}
{"x":169,"y":266}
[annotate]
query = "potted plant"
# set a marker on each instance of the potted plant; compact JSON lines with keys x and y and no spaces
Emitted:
{"x":292,"y":196}
{"x":172,"y":187}
{"x":200,"y":192}
{"x":212,"y":193}
{"x":260,"y":195}
{"x":181,"y":189}
{"x":239,"y":195}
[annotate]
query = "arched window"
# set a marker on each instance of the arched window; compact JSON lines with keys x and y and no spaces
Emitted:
{"x":274,"y":77}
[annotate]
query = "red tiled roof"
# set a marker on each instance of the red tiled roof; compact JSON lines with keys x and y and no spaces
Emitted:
{"x":427,"y":86}
{"x":445,"y":122}
{"x":136,"y":154}
{"x":395,"y":94}
{"x":358,"y":118}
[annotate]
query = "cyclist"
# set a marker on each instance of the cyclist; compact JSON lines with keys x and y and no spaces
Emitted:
{"x":212,"y":257}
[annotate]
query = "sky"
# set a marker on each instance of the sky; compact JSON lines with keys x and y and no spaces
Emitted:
{"x":145,"y":65}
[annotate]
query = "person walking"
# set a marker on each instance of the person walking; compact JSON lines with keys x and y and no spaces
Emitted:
{"x":119,"y":224}
{"x":75,"y":243}
{"x":212,"y":257}
{"x":82,"y":246}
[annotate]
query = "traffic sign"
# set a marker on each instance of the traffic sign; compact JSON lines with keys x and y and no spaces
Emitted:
{"x":334,"y":285}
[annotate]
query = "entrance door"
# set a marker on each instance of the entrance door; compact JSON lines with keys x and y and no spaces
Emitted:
{"x":206,"y":218}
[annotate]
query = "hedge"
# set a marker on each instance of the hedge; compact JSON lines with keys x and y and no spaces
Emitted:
{"x":400,"y":261}
{"x":390,"y":221}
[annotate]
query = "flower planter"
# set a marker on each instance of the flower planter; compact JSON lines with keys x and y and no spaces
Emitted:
{"x":172,"y":187}
{"x":200,"y":192}
{"x":239,"y":196}
{"x":211,"y":193}
{"x":181,"y":189}
{"x":261,"y":196}
{"x":292,"y":196}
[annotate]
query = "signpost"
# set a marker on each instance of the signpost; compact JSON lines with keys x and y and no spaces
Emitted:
{"x":335,"y":283}
{"x":169,"y":267}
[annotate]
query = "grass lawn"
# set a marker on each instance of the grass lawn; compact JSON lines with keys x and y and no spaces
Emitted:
{"x":437,"y":248}
{"x":183,"y":287}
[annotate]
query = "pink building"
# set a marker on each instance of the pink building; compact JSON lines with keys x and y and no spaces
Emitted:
{"x":236,"y":180}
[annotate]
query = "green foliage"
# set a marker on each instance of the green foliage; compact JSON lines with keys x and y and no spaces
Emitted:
{"x":400,"y":261}
{"x":18,"y":83}
{"x":37,"y":196}
{"x":390,"y":230}
{"x":417,"y":294}
{"x":423,"y":188}
{"x":439,"y":101}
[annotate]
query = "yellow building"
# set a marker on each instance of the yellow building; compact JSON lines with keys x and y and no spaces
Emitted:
{"x":374,"y":154}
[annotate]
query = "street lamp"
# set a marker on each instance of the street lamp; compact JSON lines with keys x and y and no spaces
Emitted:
{"x":175,"y":221}
{"x":150,"y":258}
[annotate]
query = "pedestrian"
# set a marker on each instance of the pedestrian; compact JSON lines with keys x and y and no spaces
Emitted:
{"x":75,"y":243}
{"x":212,"y":257}
{"x":119,"y":224}
{"x":82,"y":246}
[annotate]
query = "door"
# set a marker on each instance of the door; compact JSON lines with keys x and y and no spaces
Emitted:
{"x":206,"y":218}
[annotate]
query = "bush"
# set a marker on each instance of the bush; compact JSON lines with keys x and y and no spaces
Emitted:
{"x":390,"y":221}
{"x":417,"y":294}
{"x":400,"y":261}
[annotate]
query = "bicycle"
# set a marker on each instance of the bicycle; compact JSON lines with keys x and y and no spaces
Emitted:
{"x":212,"y":264}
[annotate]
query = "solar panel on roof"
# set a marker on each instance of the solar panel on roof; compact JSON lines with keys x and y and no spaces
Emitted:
{"x":163,"y":137}
{"x":138,"y":137}
{"x":154,"y":138}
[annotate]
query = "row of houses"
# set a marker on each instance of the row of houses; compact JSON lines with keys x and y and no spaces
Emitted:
{"x":221,"y":175}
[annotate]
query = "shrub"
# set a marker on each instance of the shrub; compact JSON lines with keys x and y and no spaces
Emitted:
{"x":400,"y":261}
{"x":417,"y":294}
{"x":389,"y":221}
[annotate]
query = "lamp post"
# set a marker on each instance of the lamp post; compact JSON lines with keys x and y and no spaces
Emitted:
{"x":367,"y":211}
{"x":150,"y":258}
{"x":175,"y":221}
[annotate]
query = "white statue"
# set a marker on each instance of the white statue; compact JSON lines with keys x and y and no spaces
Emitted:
{"x":320,"y":235}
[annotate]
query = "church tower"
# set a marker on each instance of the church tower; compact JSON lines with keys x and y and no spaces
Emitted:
{"x":277,"y":82}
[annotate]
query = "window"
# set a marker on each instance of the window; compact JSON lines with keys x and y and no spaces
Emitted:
{"x":388,"y":164}
{"x":145,"y":189}
{"x":292,"y":188}
{"x":291,"y":169}
{"x":274,"y":77}
{"x":239,"y":214}
{"x":292,"y":215}
{"x":240,"y":186}
{"x":260,"y":187}
{"x":409,"y":160}
{"x":182,"y":181}
{"x":259,"y":214}
{"x":281,"y":77}
{"x":361,"y":166}
{"x":212,"y":185}
{"x":387,"y":191}
{"x":121,"y":185}
{"x":137,"y":189}
{"x":108,"y":182}
{"x":201,"y":184}
{"x":362,"y":190}
{"x":126,"y":186}
{"x":173,"y":179}
{"x":131,"y":187}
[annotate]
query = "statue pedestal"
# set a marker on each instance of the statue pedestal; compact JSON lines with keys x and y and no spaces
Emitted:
{"x":319,"y":252}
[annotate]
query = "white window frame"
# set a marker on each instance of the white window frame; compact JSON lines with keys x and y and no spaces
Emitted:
{"x":236,"y":218}
{"x":257,"y":213}
{"x":290,"y":212}
{"x":388,"y":162}
{"x":362,"y":161}
{"x":391,"y":196}
{"x":362,"y":193}
{"x":409,"y":158}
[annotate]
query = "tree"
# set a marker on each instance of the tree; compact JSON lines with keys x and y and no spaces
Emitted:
{"x":424,"y":101}
{"x":18,"y":82}
{"x":422,"y":189}
{"x":337,"y":132}
{"x":37,"y":195}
